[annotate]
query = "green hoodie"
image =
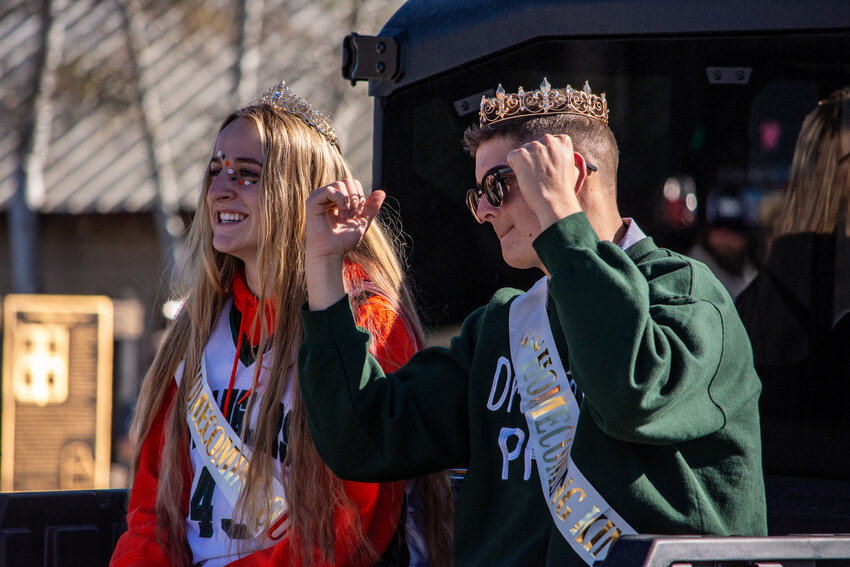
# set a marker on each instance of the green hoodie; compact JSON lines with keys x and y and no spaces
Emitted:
{"x":668,"y":431}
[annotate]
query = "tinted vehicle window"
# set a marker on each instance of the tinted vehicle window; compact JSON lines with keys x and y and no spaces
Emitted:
{"x":695,"y":117}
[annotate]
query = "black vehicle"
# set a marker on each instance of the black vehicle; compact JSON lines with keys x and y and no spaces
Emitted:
{"x":705,"y":99}
{"x":701,"y":96}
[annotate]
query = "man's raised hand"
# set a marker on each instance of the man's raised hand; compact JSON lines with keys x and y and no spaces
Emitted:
{"x":549,"y":174}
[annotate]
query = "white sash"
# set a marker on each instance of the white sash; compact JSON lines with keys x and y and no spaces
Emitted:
{"x":224,"y":455}
{"x":582,"y":515}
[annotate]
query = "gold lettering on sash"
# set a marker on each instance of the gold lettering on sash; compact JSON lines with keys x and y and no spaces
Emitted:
{"x":536,"y":342}
{"x":591,"y":519}
{"x":549,"y":434}
{"x":554,"y":410}
{"x":542,"y":360}
{"x":558,"y":452}
{"x":551,"y":411}
{"x":196,"y":397}
{"x":561,"y":490}
{"x":195,"y":409}
{"x":211,"y":422}
{"x":556,"y":474}
{"x":202,"y":414}
{"x":615,"y":535}
{"x":559,"y":499}
{"x":234,"y":474}
{"x":530,"y":366}
{"x":558,"y":466}
{"x":584,"y":523}
{"x":553,"y":394}
{"x":539,"y":383}
{"x":276,"y":507}
{"x":217,"y":433}
{"x":225,"y":455}
{"x":195,"y":392}
{"x":542,"y":382}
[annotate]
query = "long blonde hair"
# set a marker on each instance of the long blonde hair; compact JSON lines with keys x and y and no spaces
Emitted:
{"x":818,"y":193}
{"x":297,"y":160}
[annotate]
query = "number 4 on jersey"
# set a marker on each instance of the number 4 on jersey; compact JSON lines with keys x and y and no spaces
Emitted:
{"x":201,"y":510}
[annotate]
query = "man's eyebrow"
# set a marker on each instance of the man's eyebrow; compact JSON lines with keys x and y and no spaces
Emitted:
{"x":493,"y":169}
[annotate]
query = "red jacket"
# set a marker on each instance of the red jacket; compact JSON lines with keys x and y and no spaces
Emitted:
{"x":379,"y":505}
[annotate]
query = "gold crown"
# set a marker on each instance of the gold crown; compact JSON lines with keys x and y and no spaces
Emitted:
{"x":544,"y":100}
{"x":282,"y":98}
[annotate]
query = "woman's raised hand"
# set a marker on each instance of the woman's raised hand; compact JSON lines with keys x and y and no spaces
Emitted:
{"x":337,"y":217}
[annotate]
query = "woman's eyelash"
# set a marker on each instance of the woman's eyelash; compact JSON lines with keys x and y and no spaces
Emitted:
{"x":245,"y":174}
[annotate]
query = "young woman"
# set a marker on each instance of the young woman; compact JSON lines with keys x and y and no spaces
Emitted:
{"x":797,"y":310}
{"x":225,"y":471}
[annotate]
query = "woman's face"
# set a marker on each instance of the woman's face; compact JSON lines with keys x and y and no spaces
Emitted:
{"x":234,"y":194}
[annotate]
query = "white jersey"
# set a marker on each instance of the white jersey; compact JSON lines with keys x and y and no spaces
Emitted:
{"x":213,"y":537}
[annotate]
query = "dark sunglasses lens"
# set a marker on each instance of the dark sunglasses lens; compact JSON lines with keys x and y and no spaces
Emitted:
{"x":472,"y":203}
{"x":493,"y":189}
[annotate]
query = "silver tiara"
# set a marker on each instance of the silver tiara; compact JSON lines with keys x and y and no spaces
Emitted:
{"x":282,"y":98}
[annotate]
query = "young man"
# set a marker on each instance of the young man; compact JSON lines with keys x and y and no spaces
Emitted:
{"x":617,"y":396}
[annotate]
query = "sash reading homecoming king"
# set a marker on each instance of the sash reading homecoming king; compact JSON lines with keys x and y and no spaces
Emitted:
{"x":225,"y":456}
{"x":582,"y":515}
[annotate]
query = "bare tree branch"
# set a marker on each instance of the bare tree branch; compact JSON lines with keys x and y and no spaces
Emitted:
{"x":169,"y":224}
{"x":35,"y":140}
{"x":248,"y":50}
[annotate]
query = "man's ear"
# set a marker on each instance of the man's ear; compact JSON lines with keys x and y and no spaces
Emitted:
{"x":581,"y":166}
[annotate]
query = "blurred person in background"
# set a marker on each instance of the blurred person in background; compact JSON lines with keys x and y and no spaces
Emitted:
{"x":797,"y":310}
{"x":725,"y":243}
{"x":243,"y":484}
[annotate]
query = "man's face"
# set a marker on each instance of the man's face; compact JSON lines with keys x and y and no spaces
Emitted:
{"x":515,"y":224}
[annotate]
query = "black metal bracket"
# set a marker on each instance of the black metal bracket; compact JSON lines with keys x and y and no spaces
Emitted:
{"x":366,"y":57}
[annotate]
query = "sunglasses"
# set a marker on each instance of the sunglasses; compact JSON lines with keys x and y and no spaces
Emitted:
{"x":494,"y":185}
